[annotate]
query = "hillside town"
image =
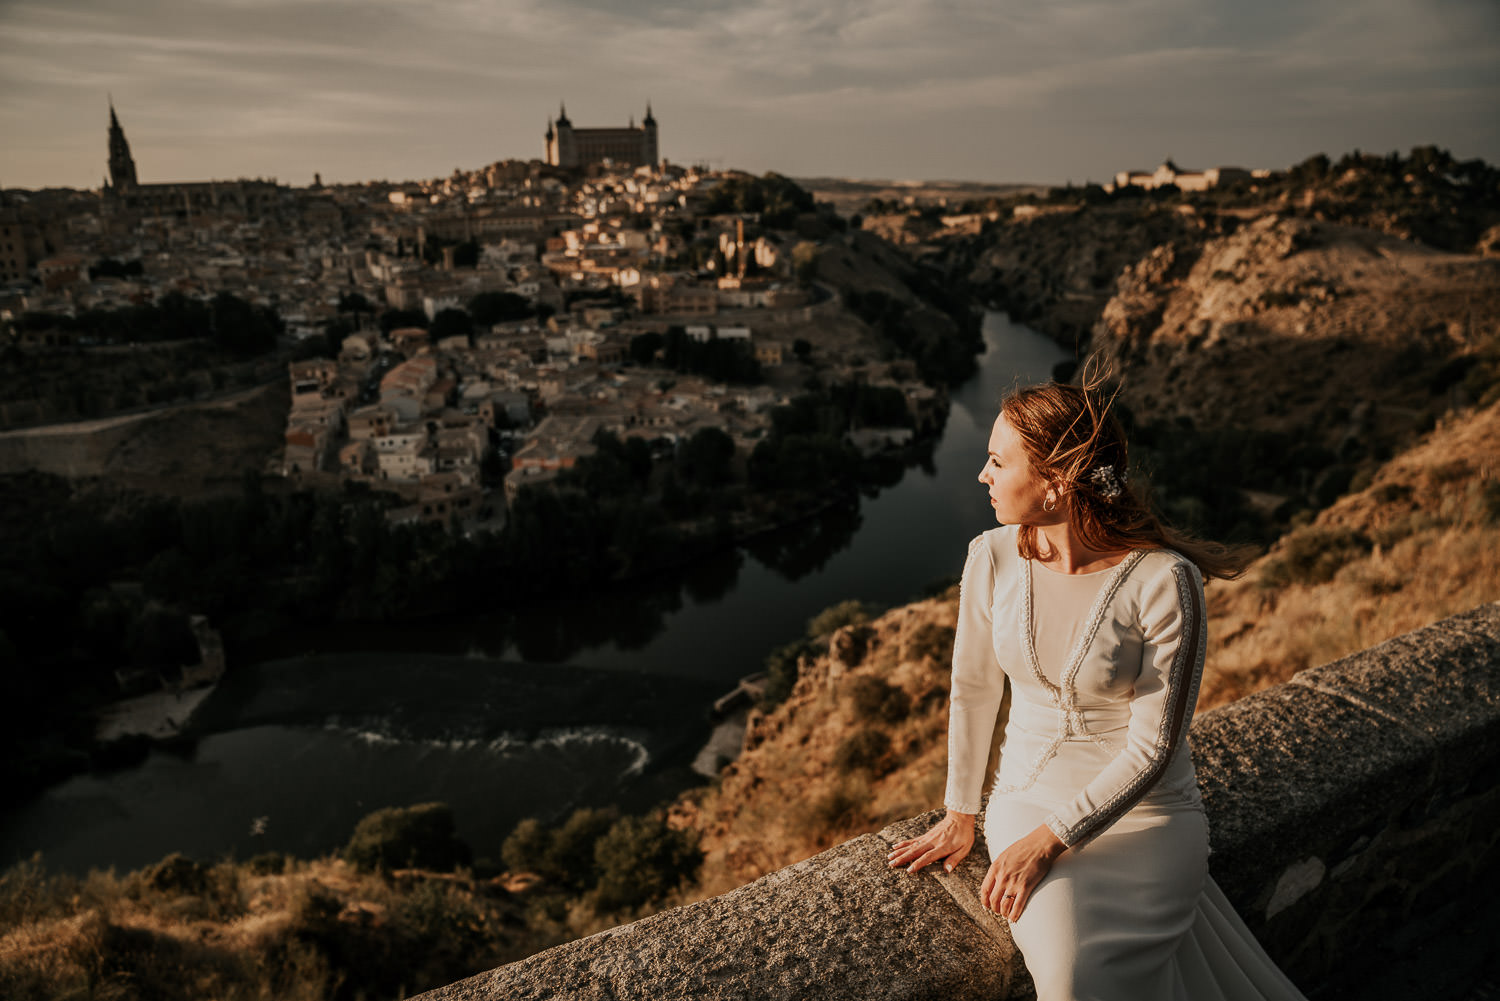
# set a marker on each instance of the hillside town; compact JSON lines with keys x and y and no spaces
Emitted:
{"x":489,"y":324}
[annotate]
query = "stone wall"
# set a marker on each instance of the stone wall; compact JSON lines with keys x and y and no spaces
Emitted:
{"x":1351,"y":808}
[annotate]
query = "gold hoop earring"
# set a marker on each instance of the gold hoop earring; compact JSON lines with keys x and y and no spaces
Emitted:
{"x":1050,"y":504}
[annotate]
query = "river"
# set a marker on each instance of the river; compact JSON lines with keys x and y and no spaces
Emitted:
{"x":529,"y":711}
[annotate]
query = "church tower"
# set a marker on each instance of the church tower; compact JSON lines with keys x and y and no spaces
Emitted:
{"x":653,"y":151}
{"x":121,"y":163}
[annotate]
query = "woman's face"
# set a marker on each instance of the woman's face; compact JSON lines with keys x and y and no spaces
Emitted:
{"x":1017,"y":493}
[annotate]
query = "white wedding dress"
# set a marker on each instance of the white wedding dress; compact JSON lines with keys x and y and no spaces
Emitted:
{"x":1103,"y":671}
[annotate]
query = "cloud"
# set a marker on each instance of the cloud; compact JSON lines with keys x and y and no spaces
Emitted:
{"x":995,"y":82}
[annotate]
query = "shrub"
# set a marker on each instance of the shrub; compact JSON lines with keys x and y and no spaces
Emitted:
{"x":781,"y":672}
{"x":570,"y":856}
{"x":641,"y":859}
{"x":267,"y":864}
{"x":877,"y":700}
{"x":177,"y":874}
{"x":865,"y":749}
{"x":1313,"y":555}
{"x":849,"y":644}
{"x":1489,"y":501}
{"x":1279,"y":297}
{"x":845,"y":613}
{"x":838,"y":808}
{"x":401,"y":837}
{"x":931,"y":642}
{"x":564,"y":854}
{"x":525,"y":849}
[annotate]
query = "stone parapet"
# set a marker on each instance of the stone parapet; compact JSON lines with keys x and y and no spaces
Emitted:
{"x":1350,"y":809}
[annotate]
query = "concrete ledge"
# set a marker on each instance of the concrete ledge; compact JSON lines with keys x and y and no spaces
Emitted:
{"x":1359,"y":803}
{"x":839,"y":924}
{"x":1349,"y":808}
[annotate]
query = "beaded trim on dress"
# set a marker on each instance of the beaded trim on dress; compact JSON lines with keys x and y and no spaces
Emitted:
{"x":1065,"y":697}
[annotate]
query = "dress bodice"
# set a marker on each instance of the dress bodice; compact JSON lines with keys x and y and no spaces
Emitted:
{"x":1119,"y":708}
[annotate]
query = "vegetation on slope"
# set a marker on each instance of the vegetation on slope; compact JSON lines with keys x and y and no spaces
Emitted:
{"x":397,"y":913}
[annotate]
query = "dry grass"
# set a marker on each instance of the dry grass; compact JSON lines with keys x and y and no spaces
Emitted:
{"x":785,"y":798}
{"x":1430,"y":528}
{"x":317,"y":931}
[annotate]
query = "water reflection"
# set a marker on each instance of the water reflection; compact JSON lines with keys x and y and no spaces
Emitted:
{"x":806,"y":547}
{"x":710,"y":579}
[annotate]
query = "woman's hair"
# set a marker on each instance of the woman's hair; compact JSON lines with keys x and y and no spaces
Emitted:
{"x":1073,"y":440}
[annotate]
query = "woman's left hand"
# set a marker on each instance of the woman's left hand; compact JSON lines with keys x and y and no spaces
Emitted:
{"x":1016,"y":872}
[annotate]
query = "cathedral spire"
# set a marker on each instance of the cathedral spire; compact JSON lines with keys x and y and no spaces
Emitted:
{"x":121,"y":163}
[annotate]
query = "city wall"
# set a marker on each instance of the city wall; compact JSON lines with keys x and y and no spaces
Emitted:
{"x":1353,"y":809}
{"x":78,"y":449}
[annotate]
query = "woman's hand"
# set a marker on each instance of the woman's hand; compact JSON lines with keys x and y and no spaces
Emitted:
{"x":950,"y":838}
{"x":1016,"y":872}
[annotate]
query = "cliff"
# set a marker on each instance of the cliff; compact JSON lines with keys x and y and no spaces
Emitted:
{"x":1351,"y":813}
{"x":1351,"y":337}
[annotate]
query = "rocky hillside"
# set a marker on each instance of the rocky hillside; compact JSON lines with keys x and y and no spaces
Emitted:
{"x":1348,"y":336}
{"x":860,"y":742}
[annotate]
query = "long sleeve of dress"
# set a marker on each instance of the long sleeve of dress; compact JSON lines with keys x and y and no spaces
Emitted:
{"x":978,"y":683}
{"x":1161,"y":706}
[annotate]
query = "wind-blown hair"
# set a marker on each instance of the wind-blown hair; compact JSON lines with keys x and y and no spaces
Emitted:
{"x":1069,"y":435}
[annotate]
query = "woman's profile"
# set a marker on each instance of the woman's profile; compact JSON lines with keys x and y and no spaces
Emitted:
{"x":1090,"y":610}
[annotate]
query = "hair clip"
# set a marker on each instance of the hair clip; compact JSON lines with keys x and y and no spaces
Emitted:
{"x":1106,"y":483}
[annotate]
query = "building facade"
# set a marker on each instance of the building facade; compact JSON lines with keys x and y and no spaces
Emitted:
{"x":1185,"y":180}
{"x":631,"y":146}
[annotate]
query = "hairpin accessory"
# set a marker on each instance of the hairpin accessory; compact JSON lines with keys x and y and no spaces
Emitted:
{"x":1106,"y":483}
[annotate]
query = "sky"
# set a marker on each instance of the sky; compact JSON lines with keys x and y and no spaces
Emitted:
{"x":1035,"y":91}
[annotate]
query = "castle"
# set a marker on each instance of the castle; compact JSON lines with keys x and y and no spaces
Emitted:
{"x":634,"y":145}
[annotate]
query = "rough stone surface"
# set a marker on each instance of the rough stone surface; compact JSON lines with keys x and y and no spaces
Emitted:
{"x":838,"y":925}
{"x":1353,"y":811}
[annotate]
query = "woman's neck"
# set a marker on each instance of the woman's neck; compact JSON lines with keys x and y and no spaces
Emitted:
{"x":1061,"y":549}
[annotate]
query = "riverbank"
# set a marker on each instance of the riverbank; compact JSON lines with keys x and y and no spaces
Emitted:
{"x":160,"y":715}
{"x":696,"y":630}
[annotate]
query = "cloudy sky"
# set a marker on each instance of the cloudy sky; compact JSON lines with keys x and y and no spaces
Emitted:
{"x":993,"y":90}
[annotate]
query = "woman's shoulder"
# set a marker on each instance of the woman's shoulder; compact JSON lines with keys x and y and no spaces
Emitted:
{"x":1162,"y":571}
{"x":999,"y":541}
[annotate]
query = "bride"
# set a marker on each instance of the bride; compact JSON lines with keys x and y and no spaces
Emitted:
{"x":1091,"y":611}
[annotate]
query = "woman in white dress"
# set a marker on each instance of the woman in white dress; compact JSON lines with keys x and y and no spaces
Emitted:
{"x":1091,"y":611}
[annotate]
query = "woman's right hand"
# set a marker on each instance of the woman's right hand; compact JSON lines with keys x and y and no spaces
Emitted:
{"x":950,"y":838}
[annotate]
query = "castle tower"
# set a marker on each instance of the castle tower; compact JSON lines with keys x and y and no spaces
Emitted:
{"x":121,"y":164}
{"x":565,"y":153}
{"x":653,"y":151}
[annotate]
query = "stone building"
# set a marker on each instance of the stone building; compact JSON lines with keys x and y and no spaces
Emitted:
{"x":633,"y":145}
{"x":125,"y":195}
{"x":1185,"y":180}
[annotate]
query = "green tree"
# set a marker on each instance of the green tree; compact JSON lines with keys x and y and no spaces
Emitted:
{"x":525,"y":848}
{"x":395,"y":319}
{"x":356,"y":303}
{"x":242,"y":327}
{"x":452,"y":323}
{"x":643,"y":347}
{"x":410,"y":837}
{"x":570,"y":856}
{"x":641,"y":859}
{"x":706,"y":458}
{"x":489,"y":308}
